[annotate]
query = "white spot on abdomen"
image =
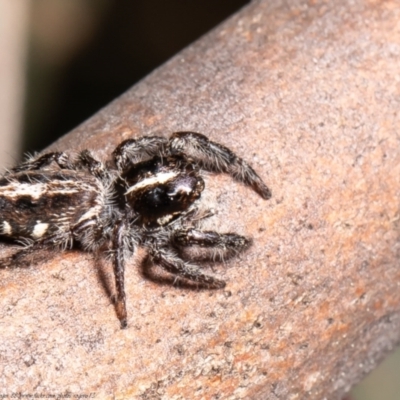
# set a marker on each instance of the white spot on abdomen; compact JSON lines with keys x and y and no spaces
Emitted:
{"x":6,"y":229}
{"x":39,"y":229}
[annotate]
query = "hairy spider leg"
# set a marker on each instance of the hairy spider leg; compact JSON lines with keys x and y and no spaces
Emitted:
{"x":224,"y":241}
{"x":223,"y":245}
{"x":132,"y":151}
{"x":95,"y":167}
{"x":35,"y":163}
{"x":170,"y":261}
{"x":119,"y":272}
{"x":217,"y":158}
{"x":85,"y":160}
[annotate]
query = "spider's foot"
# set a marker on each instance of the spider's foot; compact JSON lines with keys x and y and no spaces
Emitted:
{"x":120,"y":308}
{"x":217,"y":284}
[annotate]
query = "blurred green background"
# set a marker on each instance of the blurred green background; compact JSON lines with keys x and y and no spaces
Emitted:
{"x":81,"y":54}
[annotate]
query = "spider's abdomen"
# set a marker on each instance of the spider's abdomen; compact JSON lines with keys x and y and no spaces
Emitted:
{"x":49,"y":206}
{"x":160,"y":190}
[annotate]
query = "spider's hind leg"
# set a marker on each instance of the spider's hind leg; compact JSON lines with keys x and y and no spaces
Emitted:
{"x":84,"y":161}
{"x":35,"y":163}
{"x":213,"y":156}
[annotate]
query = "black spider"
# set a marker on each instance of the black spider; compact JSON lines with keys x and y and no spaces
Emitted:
{"x":147,"y":197}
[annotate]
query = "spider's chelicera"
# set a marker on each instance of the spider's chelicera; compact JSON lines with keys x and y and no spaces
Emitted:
{"x":146,"y":197}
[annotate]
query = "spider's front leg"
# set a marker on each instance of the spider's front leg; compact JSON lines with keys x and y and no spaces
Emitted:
{"x":124,"y":241}
{"x":223,"y":241}
{"x":132,"y":151}
{"x":170,"y":261}
{"x":119,"y":241}
{"x":215,"y":157}
{"x":224,"y":244}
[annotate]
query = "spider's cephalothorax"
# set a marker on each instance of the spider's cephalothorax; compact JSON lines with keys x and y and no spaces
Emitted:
{"x":146,"y":197}
{"x":160,"y":189}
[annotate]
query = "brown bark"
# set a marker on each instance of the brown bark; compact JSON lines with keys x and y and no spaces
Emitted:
{"x":309,"y":94}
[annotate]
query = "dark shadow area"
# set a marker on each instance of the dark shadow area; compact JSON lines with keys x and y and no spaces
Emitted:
{"x":130,"y":39}
{"x":21,"y":256}
{"x":105,"y":274}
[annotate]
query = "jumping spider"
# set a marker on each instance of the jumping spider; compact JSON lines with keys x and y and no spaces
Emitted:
{"x":147,"y":196}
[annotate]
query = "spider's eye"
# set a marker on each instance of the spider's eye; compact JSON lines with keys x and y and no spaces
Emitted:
{"x":157,"y":197}
{"x":178,"y":193}
{"x":185,"y":189}
{"x":168,"y":199}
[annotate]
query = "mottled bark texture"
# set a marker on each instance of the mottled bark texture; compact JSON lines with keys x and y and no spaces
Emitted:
{"x":309,"y":93}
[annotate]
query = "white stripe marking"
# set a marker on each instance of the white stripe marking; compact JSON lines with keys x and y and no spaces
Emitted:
{"x":160,"y":178}
{"x":7,"y":230}
{"x":36,"y":190}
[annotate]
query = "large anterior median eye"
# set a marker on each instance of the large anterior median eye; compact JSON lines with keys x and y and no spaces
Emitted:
{"x":157,"y":197}
{"x":180,"y":189}
{"x":169,"y":198}
{"x":185,"y":189}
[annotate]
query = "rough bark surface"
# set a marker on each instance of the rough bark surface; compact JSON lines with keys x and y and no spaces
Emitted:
{"x":309,"y":94}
